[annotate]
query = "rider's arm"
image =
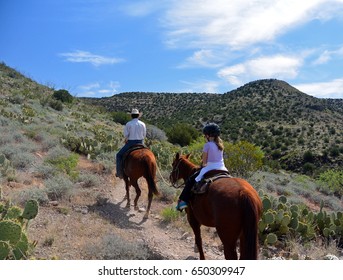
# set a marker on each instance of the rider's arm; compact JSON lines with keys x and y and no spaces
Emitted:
{"x":204,"y":158}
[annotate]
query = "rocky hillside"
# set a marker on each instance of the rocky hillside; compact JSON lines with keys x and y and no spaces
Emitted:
{"x":272,"y":114}
{"x":62,"y":155}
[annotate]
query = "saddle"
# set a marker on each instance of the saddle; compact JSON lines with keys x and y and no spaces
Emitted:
{"x":131,"y":149}
{"x":209,"y":177}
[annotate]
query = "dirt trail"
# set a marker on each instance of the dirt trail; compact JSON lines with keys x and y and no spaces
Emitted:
{"x":73,"y":228}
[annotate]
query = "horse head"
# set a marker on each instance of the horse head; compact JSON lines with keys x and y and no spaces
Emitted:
{"x":181,"y":166}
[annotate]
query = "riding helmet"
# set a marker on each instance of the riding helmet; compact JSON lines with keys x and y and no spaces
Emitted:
{"x":211,"y":129}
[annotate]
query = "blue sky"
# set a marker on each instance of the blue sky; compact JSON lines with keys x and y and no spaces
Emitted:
{"x":98,"y":48}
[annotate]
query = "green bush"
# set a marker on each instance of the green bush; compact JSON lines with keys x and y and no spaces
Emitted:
{"x":182,"y":134}
{"x":64,"y":161}
{"x":331,"y":182}
{"x":114,"y":247}
{"x":63,"y":96}
{"x":170,"y":214}
{"x":58,"y":187}
{"x":56,"y":105}
{"x":308,"y":168}
{"x":121,"y":117}
{"x":243,"y":158}
{"x":308,"y":156}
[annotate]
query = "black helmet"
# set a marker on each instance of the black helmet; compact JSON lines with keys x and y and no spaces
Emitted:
{"x":211,"y":129}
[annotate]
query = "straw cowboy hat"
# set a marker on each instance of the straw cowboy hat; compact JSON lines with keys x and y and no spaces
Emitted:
{"x":136,"y":112}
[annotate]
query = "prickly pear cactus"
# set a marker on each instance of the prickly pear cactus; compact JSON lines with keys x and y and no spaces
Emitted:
{"x":10,"y":231}
{"x":271,"y":239}
{"x":21,"y":249}
{"x":12,"y":213}
{"x":14,"y":243}
{"x":30,"y":210}
{"x":4,"y":249}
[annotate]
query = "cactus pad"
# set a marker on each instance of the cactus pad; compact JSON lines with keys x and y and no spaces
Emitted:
{"x":10,"y":231}
{"x":4,"y":250}
{"x":31,"y":209}
{"x":13,"y":213}
{"x":271,"y":238}
{"x":21,"y":248}
{"x":266,"y":204}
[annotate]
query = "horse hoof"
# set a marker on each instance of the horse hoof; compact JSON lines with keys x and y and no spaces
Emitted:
{"x":146,"y":216}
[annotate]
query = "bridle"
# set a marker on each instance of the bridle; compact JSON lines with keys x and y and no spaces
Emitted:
{"x":176,"y":170}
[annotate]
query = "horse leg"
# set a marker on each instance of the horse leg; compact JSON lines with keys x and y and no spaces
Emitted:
{"x":127,"y":188}
{"x":150,"y":195}
{"x":138,"y":193}
{"x":195,"y":225}
{"x":229,"y":241}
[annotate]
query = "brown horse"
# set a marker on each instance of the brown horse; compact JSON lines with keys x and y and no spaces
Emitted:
{"x":231,"y":205}
{"x":140,"y":163}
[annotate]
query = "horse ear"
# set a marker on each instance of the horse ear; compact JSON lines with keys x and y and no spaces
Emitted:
{"x":177,"y":156}
{"x":187,"y":156}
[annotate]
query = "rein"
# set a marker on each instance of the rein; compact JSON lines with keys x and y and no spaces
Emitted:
{"x":159,"y":172}
{"x":176,"y":170}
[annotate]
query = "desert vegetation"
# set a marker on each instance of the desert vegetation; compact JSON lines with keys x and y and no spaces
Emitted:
{"x":59,"y":152}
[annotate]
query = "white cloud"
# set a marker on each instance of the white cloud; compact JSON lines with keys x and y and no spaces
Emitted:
{"x":237,"y":24}
{"x":330,"y":89}
{"x":203,"y":58}
{"x":327,"y":56}
{"x":201,"y":86}
{"x":97,"y":89}
{"x":278,"y":66}
{"x":87,"y":57}
{"x":323,"y":58}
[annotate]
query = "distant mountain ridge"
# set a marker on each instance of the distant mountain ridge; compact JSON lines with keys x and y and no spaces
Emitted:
{"x":270,"y":113}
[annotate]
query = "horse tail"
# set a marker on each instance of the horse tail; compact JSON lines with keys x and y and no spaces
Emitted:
{"x":150,"y":176}
{"x":251,"y":208}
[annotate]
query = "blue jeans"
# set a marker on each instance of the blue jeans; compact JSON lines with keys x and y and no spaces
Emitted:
{"x":122,"y":151}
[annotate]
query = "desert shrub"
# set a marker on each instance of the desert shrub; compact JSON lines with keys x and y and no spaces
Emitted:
{"x":182,"y":134}
{"x":107,"y":160}
{"x":334,"y":151}
{"x":33,"y":193}
{"x":121,"y":117}
{"x":331,"y":182}
{"x":154,"y":133}
{"x":164,"y":153}
{"x":64,"y":161}
{"x":63,"y":96}
{"x":167,"y":193}
{"x":89,"y":180}
{"x":114,"y":247}
{"x":56,"y":104}
{"x":23,"y":160}
{"x":276,"y":154}
{"x":308,"y":156}
{"x":58,"y":187}
{"x":242,"y":158}
{"x":45,"y":171}
{"x":19,"y":154}
{"x":170,"y":214}
{"x":308,"y":168}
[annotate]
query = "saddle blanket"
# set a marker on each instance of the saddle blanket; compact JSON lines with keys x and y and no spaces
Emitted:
{"x":202,"y":186}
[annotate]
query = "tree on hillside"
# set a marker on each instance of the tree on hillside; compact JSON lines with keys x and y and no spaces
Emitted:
{"x":242,"y":158}
{"x":182,"y":134}
{"x":63,"y":95}
{"x":121,"y":117}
